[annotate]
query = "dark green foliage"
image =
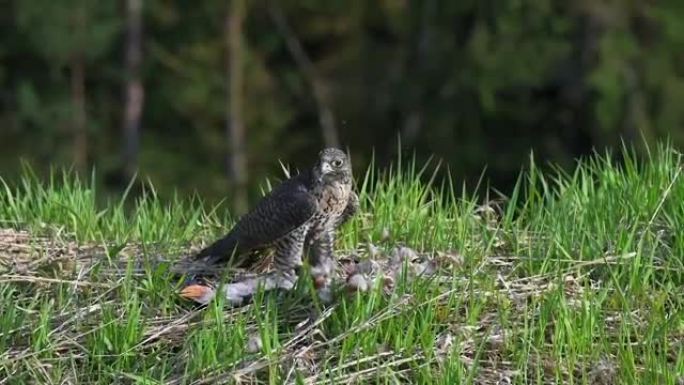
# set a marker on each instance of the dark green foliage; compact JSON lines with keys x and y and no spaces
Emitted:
{"x":476,"y":83}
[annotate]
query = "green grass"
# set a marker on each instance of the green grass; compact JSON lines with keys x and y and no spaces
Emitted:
{"x":575,"y":278}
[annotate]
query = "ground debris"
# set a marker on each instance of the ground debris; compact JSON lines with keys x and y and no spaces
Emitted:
{"x":308,"y":346}
{"x":254,"y":343}
{"x":378,"y":267}
{"x":22,"y":253}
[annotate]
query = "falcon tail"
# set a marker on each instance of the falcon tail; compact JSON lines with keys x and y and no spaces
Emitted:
{"x":221,"y":251}
{"x":227,"y":251}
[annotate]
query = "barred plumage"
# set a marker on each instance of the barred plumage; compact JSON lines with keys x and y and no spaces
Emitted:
{"x":302,"y":212}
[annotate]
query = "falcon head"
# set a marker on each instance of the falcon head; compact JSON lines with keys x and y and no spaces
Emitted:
{"x":333,"y":166}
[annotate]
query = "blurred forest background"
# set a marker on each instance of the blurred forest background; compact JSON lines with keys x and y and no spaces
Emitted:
{"x":206,"y":96}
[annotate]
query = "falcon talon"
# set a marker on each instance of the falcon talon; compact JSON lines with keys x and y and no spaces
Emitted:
{"x":320,"y":281}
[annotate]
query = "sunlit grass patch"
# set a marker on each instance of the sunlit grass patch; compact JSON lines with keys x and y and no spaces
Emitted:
{"x":575,"y":278}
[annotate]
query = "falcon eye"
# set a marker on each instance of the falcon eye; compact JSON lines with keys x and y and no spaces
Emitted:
{"x":337,"y":163}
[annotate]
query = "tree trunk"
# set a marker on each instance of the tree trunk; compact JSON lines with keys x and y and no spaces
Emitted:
{"x":78,"y":97}
{"x":135,"y":93}
{"x":326,"y":118}
{"x":235,"y":127}
{"x":414,"y":119}
{"x":80,"y":133}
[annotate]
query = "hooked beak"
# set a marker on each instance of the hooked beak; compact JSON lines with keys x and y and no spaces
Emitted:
{"x":326,"y":168}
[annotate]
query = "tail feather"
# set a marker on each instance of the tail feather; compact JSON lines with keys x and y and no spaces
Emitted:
{"x":223,"y":250}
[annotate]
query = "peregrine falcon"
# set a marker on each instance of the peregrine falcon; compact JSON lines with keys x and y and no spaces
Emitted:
{"x":302,"y":212}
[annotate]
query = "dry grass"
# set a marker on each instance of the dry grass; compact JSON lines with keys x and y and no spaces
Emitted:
{"x":45,"y":266}
{"x":574,"y":279}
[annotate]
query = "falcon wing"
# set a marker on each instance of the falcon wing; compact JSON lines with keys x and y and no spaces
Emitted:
{"x":285,"y":209}
{"x":276,"y":216}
